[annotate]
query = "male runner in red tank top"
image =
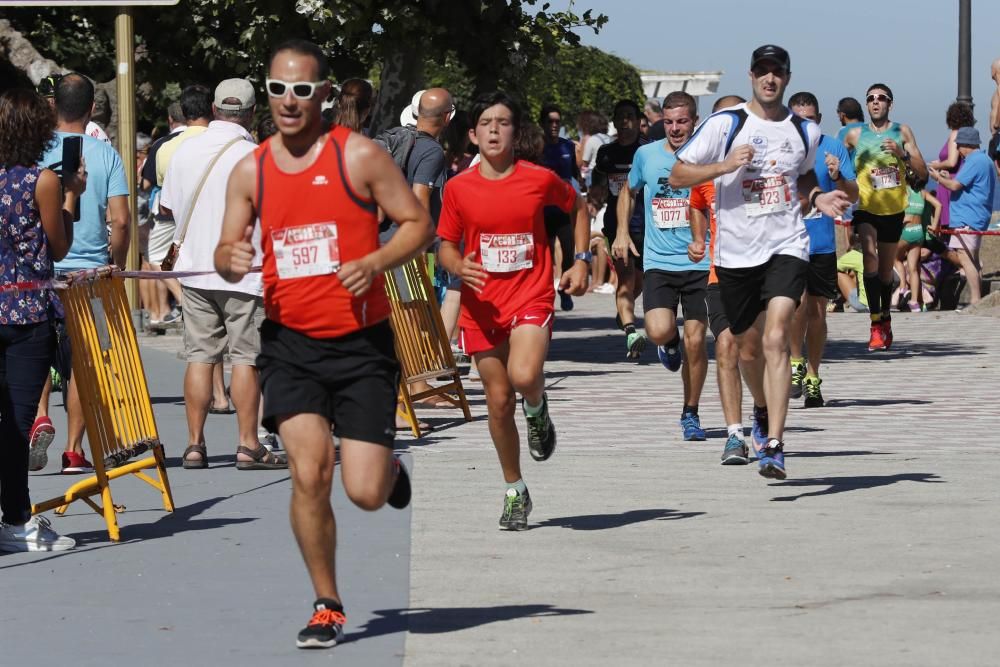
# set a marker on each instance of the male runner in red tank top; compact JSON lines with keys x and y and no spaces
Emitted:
{"x":496,"y":210}
{"x":327,"y":353}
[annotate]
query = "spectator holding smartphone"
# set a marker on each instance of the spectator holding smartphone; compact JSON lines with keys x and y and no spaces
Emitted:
{"x":104,"y":203}
{"x":36,"y":229}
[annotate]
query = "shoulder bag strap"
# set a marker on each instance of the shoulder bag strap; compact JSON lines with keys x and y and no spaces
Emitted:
{"x":201,"y":185}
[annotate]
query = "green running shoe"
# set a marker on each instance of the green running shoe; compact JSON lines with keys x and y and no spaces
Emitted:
{"x":56,"y":379}
{"x":798,"y":375}
{"x":814,"y":397}
{"x":516,"y":508}
{"x":541,"y":432}
{"x":635,"y":343}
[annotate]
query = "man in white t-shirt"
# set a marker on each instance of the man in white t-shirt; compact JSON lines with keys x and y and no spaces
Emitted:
{"x":761,"y":158}
{"x":219,"y":316}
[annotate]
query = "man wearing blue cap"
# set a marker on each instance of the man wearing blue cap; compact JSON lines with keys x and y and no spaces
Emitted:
{"x":971,"y":203}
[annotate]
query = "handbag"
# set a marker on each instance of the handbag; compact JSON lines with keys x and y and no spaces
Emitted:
{"x":175,"y":248}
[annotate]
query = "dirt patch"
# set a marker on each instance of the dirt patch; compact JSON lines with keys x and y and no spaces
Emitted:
{"x":988,"y":306}
{"x":989,"y":255}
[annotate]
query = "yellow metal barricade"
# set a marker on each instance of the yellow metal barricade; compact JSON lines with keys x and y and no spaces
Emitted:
{"x":115,"y":398}
{"x":422,"y":345}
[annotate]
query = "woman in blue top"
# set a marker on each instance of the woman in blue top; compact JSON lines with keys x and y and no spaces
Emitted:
{"x":36,"y":229}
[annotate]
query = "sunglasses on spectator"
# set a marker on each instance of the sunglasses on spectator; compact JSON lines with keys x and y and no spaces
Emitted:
{"x":303,"y":90}
{"x":879,"y":97}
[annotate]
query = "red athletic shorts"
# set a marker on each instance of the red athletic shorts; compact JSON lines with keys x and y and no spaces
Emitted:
{"x":481,"y":340}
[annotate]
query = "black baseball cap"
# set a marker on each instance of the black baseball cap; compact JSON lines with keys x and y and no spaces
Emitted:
{"x":773,"y":53}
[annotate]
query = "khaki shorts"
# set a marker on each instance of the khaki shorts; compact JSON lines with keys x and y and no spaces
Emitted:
{"x":970,"y":243}
{"x":217,"y":320}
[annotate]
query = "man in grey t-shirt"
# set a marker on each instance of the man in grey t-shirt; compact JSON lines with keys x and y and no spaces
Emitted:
{"x":425,"y":172}
{"x":425,"y":166}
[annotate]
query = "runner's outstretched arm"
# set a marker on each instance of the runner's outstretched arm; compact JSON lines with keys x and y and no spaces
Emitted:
{"x":686,"y":175}
{"x":916,"y":161}
{"x":621,"y":245}
{"x":470,"y":271}
{"x":373,"y":173}
{"x":234,"y":253}
{"x":699,"y":230}
{"x":574,"y":281}
{"x":832,"y":203}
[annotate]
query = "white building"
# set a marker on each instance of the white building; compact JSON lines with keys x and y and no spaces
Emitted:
{"x":660,"y":84}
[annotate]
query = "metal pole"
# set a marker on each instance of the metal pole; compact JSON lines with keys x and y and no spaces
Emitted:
{"x":125,"y":56}
{"x":965,"y":52}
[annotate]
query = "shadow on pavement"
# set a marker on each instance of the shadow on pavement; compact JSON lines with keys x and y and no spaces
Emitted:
{"x":846,"y":452}
{"x":721,"y":433}
{"x":606,"y":325}
{"x":604,"y":346}
{"x":607,"y":521}
{"x":873,"y":402}
{"x":168,"y":400}
{"x":452,"y":619}
{"x":575,"y":374}
{"x":438,"y":425}
{"x":181,"y":520}
{"x":844,"y":484}
{"x":857,"y":350}
{"x":216,"y":461}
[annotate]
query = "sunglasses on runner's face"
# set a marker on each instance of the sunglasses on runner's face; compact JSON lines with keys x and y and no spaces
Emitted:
{"x":303,"y":90}
{"x":880,"y":97}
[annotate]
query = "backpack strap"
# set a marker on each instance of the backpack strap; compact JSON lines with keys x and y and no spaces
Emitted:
{"x":739,"y":118}
{"x":800,"y":125}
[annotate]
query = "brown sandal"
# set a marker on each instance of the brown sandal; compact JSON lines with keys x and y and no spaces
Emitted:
{"x":195,"y":464}
{"x":262,"y":459}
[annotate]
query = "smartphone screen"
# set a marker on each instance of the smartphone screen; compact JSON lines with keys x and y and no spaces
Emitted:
{"x":72,"y":154}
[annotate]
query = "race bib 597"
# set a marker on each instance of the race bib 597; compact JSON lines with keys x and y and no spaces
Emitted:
{"x":307,"y":250}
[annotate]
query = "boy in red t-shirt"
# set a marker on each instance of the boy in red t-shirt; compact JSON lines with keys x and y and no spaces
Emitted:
{"x":495,"y":210}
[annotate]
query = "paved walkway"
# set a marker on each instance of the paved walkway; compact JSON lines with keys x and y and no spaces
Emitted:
{"x":879,"y":549}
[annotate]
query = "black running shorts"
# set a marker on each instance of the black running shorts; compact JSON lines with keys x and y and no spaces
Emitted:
{"x":888,"y":228}
{"x":638,"y":239}
{"x":821,"y":280}
{"x":717,"y":320}
{"x":352,"y":380}
{"x":665,"y":289}
{"x":746,"y":291}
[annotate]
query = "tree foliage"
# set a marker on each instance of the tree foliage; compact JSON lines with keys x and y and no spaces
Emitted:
{"x":574,"y":78}
{"x":208,"y":40}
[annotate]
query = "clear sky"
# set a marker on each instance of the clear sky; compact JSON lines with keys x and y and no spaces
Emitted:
{"x":837,"y":49}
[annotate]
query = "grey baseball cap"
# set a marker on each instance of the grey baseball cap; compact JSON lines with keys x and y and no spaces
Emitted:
{"x":239,"y":89}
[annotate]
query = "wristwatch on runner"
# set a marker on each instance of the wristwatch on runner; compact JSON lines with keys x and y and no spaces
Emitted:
{"x":587,"y":256}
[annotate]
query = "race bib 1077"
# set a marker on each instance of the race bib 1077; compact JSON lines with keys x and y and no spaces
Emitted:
{"x":671,"y":213}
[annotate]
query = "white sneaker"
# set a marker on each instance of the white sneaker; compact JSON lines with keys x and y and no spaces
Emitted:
{"x":36,"y":535}
{"x":606,"y":288}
